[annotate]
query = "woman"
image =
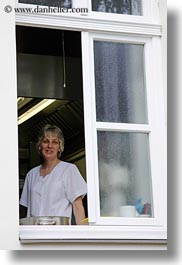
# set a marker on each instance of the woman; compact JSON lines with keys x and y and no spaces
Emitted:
{"x":55,"y":187}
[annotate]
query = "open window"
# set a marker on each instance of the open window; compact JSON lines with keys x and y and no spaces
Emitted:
{"x":49,"y":83}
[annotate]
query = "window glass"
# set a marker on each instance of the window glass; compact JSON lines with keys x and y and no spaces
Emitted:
{"x":129,"y":7}
{"x":120,"y":82}
{"x":124,"y":174}
{"x":56,"y":3}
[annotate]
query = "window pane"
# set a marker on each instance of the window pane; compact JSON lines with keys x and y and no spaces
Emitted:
{"x":129,"y":7}
{"x":119,"y":82}
{"x":56,"y":3}
{"x":124,"y":173}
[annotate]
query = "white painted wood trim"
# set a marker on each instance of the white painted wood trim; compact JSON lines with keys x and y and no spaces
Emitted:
{"x":90,"y":233}
{"x":153,"y":96}
{"x":88,"y":23}
{"x":122,"y":127}
{"x":86,"y":69}
{"x":129,"y":222}
{"x":158,"y":137}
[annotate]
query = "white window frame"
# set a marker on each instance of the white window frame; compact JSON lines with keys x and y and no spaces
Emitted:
{"x":146,"y":28}
{"x":149,"y":12}
{"x":153,"y":87}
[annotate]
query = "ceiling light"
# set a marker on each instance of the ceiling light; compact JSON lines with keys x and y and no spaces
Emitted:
{"x":20,"y":100}
{"x":34,"y":110}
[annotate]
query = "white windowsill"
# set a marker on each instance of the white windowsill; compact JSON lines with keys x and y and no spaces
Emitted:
{"x":92,"y":234}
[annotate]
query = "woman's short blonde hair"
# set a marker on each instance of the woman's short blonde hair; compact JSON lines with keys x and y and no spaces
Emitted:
{"x":51,"y":129}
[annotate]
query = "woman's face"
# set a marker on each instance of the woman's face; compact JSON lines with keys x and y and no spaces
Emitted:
{"x":50,"y":146}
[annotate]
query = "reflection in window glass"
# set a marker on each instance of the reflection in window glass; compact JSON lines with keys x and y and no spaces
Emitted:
{"x":129,"y":7}
{"x":120,"y":82}
{"x":124,"y":173}
{"x":56,"y":3}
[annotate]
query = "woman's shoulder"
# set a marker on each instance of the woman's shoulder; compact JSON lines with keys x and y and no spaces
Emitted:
{"x":66,"y":164}
{"x":67,"y":167}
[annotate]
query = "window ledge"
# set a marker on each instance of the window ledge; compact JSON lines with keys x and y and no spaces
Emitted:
{"x":119,"y":234}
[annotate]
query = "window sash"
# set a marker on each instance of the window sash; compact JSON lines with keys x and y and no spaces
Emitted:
{"x":149,"y":10}
{"x":141,"y":9}
{"x":155,"y":128}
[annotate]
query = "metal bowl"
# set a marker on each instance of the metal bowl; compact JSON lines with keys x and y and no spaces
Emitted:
{"x":45,"y":220}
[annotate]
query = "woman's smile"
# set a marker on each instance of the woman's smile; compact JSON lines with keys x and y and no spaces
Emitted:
{"x":50,"y":145}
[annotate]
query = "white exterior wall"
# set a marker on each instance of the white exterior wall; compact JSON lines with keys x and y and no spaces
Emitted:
{"x":8,"y":132}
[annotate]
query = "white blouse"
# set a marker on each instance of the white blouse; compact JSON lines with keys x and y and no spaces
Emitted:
{"x":53,"y":194}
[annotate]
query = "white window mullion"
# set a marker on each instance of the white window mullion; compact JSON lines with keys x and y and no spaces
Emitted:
{"x":122,"y":127}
